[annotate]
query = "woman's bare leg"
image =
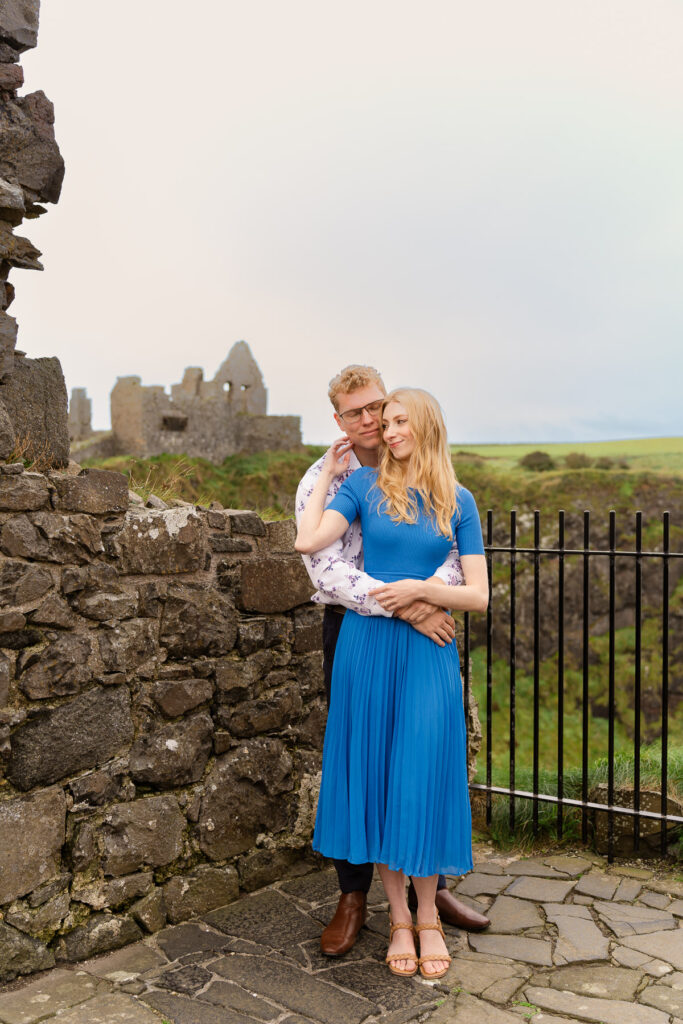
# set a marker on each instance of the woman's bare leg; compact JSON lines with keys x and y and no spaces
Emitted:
{"x":394,"y":883}
{"x":430,"y":940}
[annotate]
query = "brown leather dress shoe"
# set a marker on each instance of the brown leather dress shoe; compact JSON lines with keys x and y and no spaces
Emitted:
{"x":453,"y":912}
{"x":349,"y":918}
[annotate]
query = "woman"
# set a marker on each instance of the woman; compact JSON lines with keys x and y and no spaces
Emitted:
{"x":394,"y":785}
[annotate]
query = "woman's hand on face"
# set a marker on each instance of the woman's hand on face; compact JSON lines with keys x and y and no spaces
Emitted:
{"x":337,"y":457}
{"x":393,"y":596}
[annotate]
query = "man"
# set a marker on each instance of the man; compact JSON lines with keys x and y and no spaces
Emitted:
{"x":337,"y":573}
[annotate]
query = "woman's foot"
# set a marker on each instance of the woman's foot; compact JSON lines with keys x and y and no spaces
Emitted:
{"x":401,"y":955}
{"x":434,"y":959}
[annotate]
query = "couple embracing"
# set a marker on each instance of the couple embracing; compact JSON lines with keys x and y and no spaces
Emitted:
{"x":390,"y":540}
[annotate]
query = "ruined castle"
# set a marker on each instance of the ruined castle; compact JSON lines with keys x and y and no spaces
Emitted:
{"x":209,"y":418}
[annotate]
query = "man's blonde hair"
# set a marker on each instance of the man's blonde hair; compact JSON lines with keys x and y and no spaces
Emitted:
{"x":352,"y":378}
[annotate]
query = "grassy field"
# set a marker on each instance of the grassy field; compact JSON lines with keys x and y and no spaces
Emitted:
{"x":655,"y":454}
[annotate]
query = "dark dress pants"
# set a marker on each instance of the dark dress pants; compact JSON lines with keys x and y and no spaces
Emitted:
{"x":352,"y":877}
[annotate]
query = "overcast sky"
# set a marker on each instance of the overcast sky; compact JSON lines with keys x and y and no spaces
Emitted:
{"x":481,"y":198}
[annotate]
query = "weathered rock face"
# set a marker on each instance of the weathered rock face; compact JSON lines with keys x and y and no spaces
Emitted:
{"x":34,"y":396}
{"x":158,"y":542}
{"x":243,"y":797}
{"x":160,"y":736}
{"x":93,"y":490}
{"x":173,"y":755}
{"x":146,"y":832}
{"x":79,"y":734}
{"x":19,"y":24}
{"x":20,"y":954}
{"x":274,"y":585}
{"x":198,"y":621}
{"x":32,"y":832}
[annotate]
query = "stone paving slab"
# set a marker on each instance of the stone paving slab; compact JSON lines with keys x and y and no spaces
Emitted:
{"x":659,"y":900}
{"x":628,"y":890}
{"x":502,"y":991}
{"x":530,"y":951}
{"x":572,"y":867}
{"x":181,"y":1010}
{"x":623,"y":919}
{"x":476,"y":884}
{"x":257,"y":960}
{"x":281,"y":982}
{"x":657,"y":968}
{"x":534,"y":868}
{"x":56,"y":991}
{"x":232,"y":997}
{"x":111,"y":1009}
{"x":124,"y":963}
{"x":602,"y":982}
{"x":579,"y":940}
{"x":629,"y":957}
{"x":666,"y":946}
{"x":477,"y":976}
{"x":466,"y":1009}
{"x":664,"y":998}
{"x":598,"y":885}
{"x":511,"y":915}
{"x":540,"y":890}
{"x":607,"y":1011}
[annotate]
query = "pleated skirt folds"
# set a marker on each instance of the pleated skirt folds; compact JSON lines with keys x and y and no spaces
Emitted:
{"x":394,"y":782}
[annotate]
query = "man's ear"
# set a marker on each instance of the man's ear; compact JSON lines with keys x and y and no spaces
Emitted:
{"x":340,"y":422}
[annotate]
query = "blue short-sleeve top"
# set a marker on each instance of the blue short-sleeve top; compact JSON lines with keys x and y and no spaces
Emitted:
{"x":404,"y":550}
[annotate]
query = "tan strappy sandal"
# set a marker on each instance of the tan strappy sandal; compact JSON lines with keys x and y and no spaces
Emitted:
{"x":432,"y":975}
{"x":401,"y":956}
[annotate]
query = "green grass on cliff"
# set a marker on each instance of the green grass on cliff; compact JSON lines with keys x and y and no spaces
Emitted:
{"x":266,"y":482}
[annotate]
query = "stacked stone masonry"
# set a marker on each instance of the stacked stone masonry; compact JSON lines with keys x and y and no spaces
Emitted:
{"x":33,"y":415}
{"x":161,"y":713}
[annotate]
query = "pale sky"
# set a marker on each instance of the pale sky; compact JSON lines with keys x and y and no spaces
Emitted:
{"x":483,"y":198}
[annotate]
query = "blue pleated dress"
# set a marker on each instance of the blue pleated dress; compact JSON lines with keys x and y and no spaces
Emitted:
{"x":394,"y":782}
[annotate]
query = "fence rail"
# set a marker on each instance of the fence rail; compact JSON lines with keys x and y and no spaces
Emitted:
{"x":510,"y":555}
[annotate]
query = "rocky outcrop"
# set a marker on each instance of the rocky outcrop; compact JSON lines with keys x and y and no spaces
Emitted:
{"x":161,"y":713}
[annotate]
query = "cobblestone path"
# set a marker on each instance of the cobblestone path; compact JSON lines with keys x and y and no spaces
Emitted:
{"x":570,"y":940}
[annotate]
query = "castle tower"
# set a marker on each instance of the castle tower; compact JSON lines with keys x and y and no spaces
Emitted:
{"x":241,"y":379}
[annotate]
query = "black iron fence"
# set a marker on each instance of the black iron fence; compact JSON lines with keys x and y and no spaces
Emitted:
{"x":550,"y":603}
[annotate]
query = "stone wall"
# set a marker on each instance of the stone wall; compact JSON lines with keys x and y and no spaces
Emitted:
{"x":161,"y":712}
{"x":33,"y":408}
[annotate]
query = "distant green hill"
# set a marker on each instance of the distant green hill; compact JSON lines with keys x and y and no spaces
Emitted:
{"x":652,"y":453}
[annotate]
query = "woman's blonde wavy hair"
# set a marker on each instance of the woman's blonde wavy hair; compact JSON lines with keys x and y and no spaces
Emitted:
{"x":431,"y":469}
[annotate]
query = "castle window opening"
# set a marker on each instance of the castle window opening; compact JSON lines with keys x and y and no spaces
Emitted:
{"x":174,"y":422}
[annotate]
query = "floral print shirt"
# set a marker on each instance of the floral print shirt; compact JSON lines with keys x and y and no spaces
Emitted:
{"x":337,"y":571}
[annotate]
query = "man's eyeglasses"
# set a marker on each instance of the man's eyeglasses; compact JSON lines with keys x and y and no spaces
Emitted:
{"x":354,"y":415}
